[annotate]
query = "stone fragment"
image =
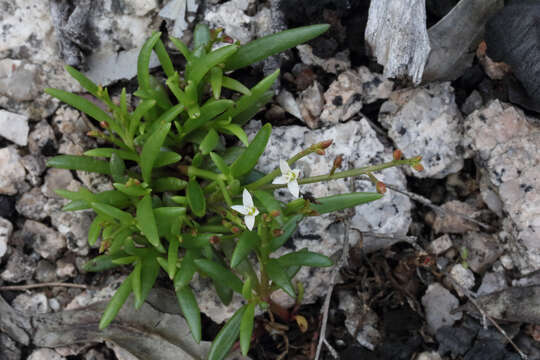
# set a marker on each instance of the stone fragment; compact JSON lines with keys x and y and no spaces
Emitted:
{"x":6,"y":229}
{"x":451,"y":222}
{"x":464,"y":277}
{"x":95,"y":182}
{"x":8,"y":348}
{"x":56,"y":179}
{"x":45,"y":272}
{"x":14,"y":127}
{"x":311,"y":104}
{"x":335,"y":65}
{"x":32,"y":205}
{"x":13,"y":173}
{"x":74,"y":227}
{"x":45,"y":354}
{"x":355,"y":314}
{"x":35,"y":166}
{"x":439,"y":304}
{"x":432,"y":355}
{"x":232,"y":17}
{"x":19,"y":268}
{"x":426,"y":121}
{"x":42,"y":137}
{"x":492,"y":282}
{"x":440,"y":245}
{"x":489,"y":195}
{"x":289,"y":104}
{"x":506,"y":148}
{"x":483,"y":250}
{"x":31,"y":304}
{"x":396,"y":35}
{"x":473,"y":102}
{"x":178,"y":12}
{"x":65,"y":269}
{"x":45,"y":241}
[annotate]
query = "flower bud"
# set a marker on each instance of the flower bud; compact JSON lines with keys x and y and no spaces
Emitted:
{"x":398,"y":154}
{"x":274,"y":213}
{"x":381,"y":187}
{"x":104,"y":125}
{"x":235,"y":229}
{"x":215,"y":240}
{"x":320,"y":151}
{"x":227,"y":39}
{"x":337,"y":162}
{"x":418,"y":167}
{"x":325,"y":144}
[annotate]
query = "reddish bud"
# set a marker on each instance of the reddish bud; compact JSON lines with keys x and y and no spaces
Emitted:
{"x":381,"y":187}
{"x":215,"y":240}
{"x":274,"y":213}
{"x":398,"y":154}
{"x":235,"y":230}
{"x":277,"y":232}
{"x":320,"y":152}
{"x":104,"y":125}
{"x":325,"y":144}
{"x":227,"y":39}
{"x":338,"y":161}
{"x":418,"y":167}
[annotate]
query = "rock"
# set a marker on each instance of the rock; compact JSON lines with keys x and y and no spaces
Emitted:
{"x":506,"y":148}
{"x":94,"y":354}
{"x":31,"y":303}
{"x":464,"y":277}
{"x":396,"y":35}
{"x":95,"y":182}
{"x":14,"y":127}
{"x":483,"y":250}
{"x":451,"y":222}
{"x":357,"y":314}
{"x":32,"y":205}
{"x":438,"y":305}
{"x":231,"y":16}
{"x":454,"y":340}
{"x":429,"y":356}
{"x":42,"y":137}
{"x":178,"y":13}
{"x":426,"y":121}
{"x":13,"y":173}
{"x":7,"y":206}
{"x":6,"y":229}
{"x":74,"y":227}
{"x":511,"y":36}
{"x":492,"y":282}
{"x":8,"y":348}
{"x":45,"y":272}
{"x":451,"y":45}
{"x":358,"y":144}
{"x":35,"y":166}
{"x":473,"y":102}
{"x":65,"y":269}
{"x":489,"y":195}
{"x":335,"y":65}
{"x":45,"y":241}
{"x":45,"y":354}
{"x":56,"y":179}
{"x":286,"y":100}
{"x":19,"y":268}
{"x":346,"y":96}
{"x":311,"y":104}
{"x":440,"y":245}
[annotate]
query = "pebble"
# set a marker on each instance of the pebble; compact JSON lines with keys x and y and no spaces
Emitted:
{"x":19,"y":267}
{"x":56,"y":179}
{"x":13,"y":172}
{"x":492,"y":282}
{"x":35,"y":166}
{"x":45,"y":271}
{"x":451,"y":223}
{"x":483,"y":250}
{"x":438,"y":305}
{"x":31,"y":304}
{"x":42,"y":136}
{"x":311,"y":104}
{"x":45,"y":354}
{"x":367,"y":335}
{"x":32,"y":204}
{"x":440,"y":244}
{"x":464,"y":277}
{"x":47,"y":242}
{"x":74,"y":227}
{"x":14,"y":127}
{"x":65,"y":269}
{"x":334,"y":65}
{"x":6,"y":229}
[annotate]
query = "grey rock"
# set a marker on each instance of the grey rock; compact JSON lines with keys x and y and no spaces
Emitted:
{"x":47,"y":242}
{"x":464,"y":277}
{"x":483,"y":250}
{"x":287,"y":101}
{"x":451,"y":222}
{"x":353,"y":88}
{"x":65,"y":268}
{"x":492,"y":282}
{"x":31,"y":303}
{"x":426,"y":121}
{"x":13,"y":173}
{"x":6,"y":229}
{"x":489,"y":195}
{"x":14,"y":127}
{"x":35,"y":166}
{"x":506,"y":148}
{"x":94,"y":354}
{"x":19,"y":268}
{"x":8,"y":348}
{"x":311,"y":104}
{"x":45,"y":354}
{"x":335,"y":65}
{"x":439,"y":304}
{"x":56,"y":179}
{"x":440,"y":245}
{"x":95,"y":182}
{"x":74,"y":227}
{"x":473,"y":102}
{"x":32,"y":205}
{"x":41,"y":136}
{"x":179,"y":13}
{"x":232,"y":17}
{"x":45,"y":271}
{"x":357,"y":313}
{"x":396,"y":35}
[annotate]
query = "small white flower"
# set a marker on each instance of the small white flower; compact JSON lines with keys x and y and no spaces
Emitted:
{"x":247,"y":209}
{"x":289,"y":177}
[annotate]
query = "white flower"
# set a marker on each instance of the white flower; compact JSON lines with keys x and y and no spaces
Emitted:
{"x":247,"y":209}
{"x":289,"y":177}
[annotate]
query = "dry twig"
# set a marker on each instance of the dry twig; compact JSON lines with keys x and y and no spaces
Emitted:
{"x":40,"y":285}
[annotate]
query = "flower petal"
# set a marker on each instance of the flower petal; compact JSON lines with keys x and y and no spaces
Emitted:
{"x":256,"y":212}
{"x":250,"y":222}
{"x":284,"y":167}
{"x":294,"y":188}
{"x":280,"y":180}
{"x":246,"y":197}
{"x":241,"y":209}
{"x":296,"y":173}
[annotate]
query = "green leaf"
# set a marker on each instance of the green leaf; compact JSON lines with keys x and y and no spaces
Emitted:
{"x":135,"y":118}
{"x":151,"y":150}
{"x":165,"y":158}
{"x":182,"y":48}
{"x":167,"y":219}
{"x":190,"y":309}
{"x":85,"y":82}
{"x":81,"y":104}
{"x":288,"y":229}
{"x":305,"y":258}
{"x":102,"y":262}
{"x":136,"y":280}
{"x":216,"y":80}
{"x":118,"y":168}
{"x":196,"y":70}
{"x":255,"y":106}
{"x":208,"y":112}
{"x":247,"y":289}
{"x":341,"y":201}
{"x":110,"y":211}
{"x":209,"y":142}
{"x":147,"y":222}
{"x":220,"y":163}
{"x":220,"y":274}
{"x":164,"y":58}
{"x":268,"y":201}
{"x":172,"y":256}
{"x":116,"y":302}
{"x":224,"y":292}
{"x":195,"y":198}
{"x":237,"y":131}
{"x":277,"y":274}
{"x":235,"y":85}
{"x":108,"y":152}
{"x":201,"y":36}
{"x":95,"y":230}
{"x":187,"y":270}
{"x":247,"y":161}
{"x":247,"y":241}
{"x":143,"y":62}
{"x":76,"y":162}
{"x":273,"y":44}
{"x":226,"y":336}
{"x":168,"y":184}
{"x":131,"y":190}
{"x":246,"y":327}
{"x":148,"y":278}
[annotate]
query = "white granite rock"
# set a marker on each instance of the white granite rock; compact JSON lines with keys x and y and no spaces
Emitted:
{"x":6,"y":228}
{"x":65,"y":269}
{"x":13,"y":173}
{"x":440,"y":245}
{"x":483,"y":249}
{"x":507,"y":149}
{"x":42,"y":135}
{"x":74,"y":227}
{"x":35,"y":165}
{"x":19,"y":267}
{"x":357,"y":314}
{"x":464,"y":277}
{"x":438,"y":306}
{"x":426,"y":121}
{"x":492,"y":282}
{"x":56,"y":179}
{"x":31,"y":205}
{"x":14,"y":127}
{"x":287,"y":101}
{"x":46,"y":242}
{"x":232,"y":17}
